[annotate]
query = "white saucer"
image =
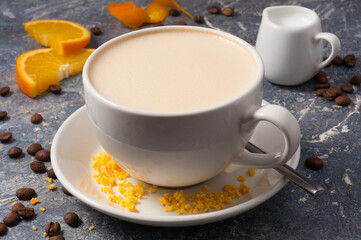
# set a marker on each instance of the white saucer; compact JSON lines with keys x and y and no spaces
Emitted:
{"x":75,"y":143}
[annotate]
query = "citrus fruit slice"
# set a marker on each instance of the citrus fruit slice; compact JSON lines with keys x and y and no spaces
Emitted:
{"x":37,"y":69}
{"x":65,"y":36}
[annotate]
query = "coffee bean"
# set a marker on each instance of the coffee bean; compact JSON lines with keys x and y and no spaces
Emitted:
{"x":181,"y":23}
{"x":356,"y":80}
{"x":5,"y":137}
{"x":337,"y":60}
{"x":329,"y":95}
{"x":66,"y":191}
{"x":16,"y":207}
{"x":319,"y":92}
{"x":3,"y":229}
{"x":343,"y":101}
{"x":56,"y":89}
{"x":51,"y":174}
{"x":336,"y":90}
{"x":198,"y":19}
{"x":214,"y":10}
{"x":11,"y":219}
{"x":43,"y":155}
{"x":314,"y":163}
{"x":72,"y":219}
{"x":34,"y":148}
{"x":96,"y":30}
{"x":52,"y":229}
{"x":322,"y":79}
{"x":36,"y":118}
{"x":174,"y":12}
{"x":347,"y":88}
{"x":57,"y":237}
{"x":322,"y":85}
{"x":3,"y":115}
{"x":4,"y":91}
{"x":227,"y":11}
{"x":349,"y":60}
{"x":26,"y":212}
{"x":25,"y":193}
{"x":321,"y":74}
{"x":37,"y":166}
{"x":15,"y":152}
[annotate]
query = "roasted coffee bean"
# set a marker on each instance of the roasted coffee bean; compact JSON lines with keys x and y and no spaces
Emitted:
{"x":337,"y":60}
{"x":322,"y":79}
{"x":343,"y":101}
{"x":43,"y":155}
{"x":11,"y":219}
{"x":349,"y":60}
{"x":347,"y":88}
{"x":314,"y":163}
{"x":198,"y":19}
{"x":36,"y":118}
{"x":56,"y":89}
{"x":319,"y":92}
{"x":181,"y":23}
{"x":34,"y":148}
{"x":37,"y":166}
{"x":3,"y":115}
{"x":356,"y":80}
{"x":66,"y":191}
{"x":4,"y":91}
{"x":72,"y":219}
{"x":25,"y":193}
{"x":15,"y":152}
{"x":52,"y":228}
{"x":5,"y":137}
{"x":214,"y":10}
{"x":321,"y":74}
{"x":329,"y":95}
{"x":3,"y":229}
{"x":227,"y":11}
{"x":174,"y":12}
{"x":15,"y":208}
{"x":96,"y":30}
{"x":57,"y":237}
{"x":336,"y":90}
{"x":51,"y":174}
{"x":322,"y":85}
{"x":26,"y":212}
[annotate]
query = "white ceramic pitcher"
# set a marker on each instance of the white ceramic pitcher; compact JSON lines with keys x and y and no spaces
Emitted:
{"x":289,"y":42}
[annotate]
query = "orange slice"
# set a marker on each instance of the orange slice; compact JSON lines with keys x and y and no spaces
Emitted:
{"x":127,"y":12}
{"x":37,"y":69}
{"x":65,"y":36}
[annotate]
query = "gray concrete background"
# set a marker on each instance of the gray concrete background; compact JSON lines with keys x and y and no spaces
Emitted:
{"x":328,"y":131}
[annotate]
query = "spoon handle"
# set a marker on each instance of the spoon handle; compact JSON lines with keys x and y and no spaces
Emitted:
{"x":290,"y":173}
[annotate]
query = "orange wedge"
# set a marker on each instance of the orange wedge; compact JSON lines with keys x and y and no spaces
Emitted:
{"x":37,"y":69}
{"x":65,"y":36}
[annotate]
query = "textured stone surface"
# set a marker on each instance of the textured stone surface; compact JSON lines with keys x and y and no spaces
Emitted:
{"x":328,"y":131}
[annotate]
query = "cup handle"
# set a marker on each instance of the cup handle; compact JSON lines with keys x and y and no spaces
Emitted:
{"x":290,"y":129}
{"x":335,"y":47}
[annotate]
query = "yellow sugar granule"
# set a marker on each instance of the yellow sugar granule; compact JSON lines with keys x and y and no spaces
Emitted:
{"x":34,"y":228}
{"x":252,"y":172}
{"x":242,"y":178}
{"x":42,"y":209}
{"x":243,"y":188}
{"x":45,"y":234}
{"x":34,"y":201}
{"x":152,"y":189}
{"x":91,"y":228}
{"x":13,"y":203}
{"x":15,"y":180}
{"x":49,"y":180}
{"x":52,"y":186}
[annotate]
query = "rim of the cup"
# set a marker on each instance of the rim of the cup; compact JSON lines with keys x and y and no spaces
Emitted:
{"x":310,"y":11}
{"x":91,"y":89}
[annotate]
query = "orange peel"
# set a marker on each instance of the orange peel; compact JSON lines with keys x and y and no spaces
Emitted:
{"x":157,"y":12}
{"x":127,"y":12}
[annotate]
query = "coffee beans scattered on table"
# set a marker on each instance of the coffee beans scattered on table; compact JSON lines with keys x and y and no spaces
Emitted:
{"x":3,"y":115}
{"x":4,"y":91}
{"x":37,"y":166}
{"x":198,"y":19}
{"x":355,"y":80}
{"x":16,"y":207}
{"x":343,"y":101}
{"x":5,"y":137}
{"x":34,"y":148}
{"x":26,"y":212}
{"x":214,"y":10}
{"x":337,"y":61}
{"x":3,"y":229}
{"x":314,"y":163}
{"x":51,"y":174}
{"x":11,"y":219}
{"x":349,"y":60}
{"x":56,"y":89}
{"x":227,"y":11}
{"x":66,"y":191}
{"x":174,"y":12}
{"x":347,"y":88}
{"x":36,"y":118}
{"x":72,"y":219}
{"x":43,"y":155}
{"x":52,"y":228}
{"x":57,"y":237}
{"x":25,"y":193}
{"x":96,"y":30}
{"x":15,"y":152}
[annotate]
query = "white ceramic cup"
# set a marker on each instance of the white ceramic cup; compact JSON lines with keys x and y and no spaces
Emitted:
{"x":185,"y":148}
{"x":289,"y":42}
